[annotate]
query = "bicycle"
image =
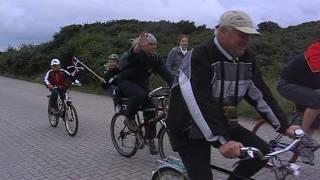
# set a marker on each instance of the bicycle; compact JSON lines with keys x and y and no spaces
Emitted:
{"x":172,"y":168}
{"x":67,"y":112}
{"x":127,"y":142}
{"x":261,"y":126}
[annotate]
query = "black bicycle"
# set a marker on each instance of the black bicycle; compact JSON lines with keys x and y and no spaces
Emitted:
{"x":172,"y":168}
{"x":67,"y":112}
{"x":127,"y":142}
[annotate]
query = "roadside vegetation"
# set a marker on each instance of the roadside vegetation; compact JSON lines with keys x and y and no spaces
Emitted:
{"x":92,"y":43}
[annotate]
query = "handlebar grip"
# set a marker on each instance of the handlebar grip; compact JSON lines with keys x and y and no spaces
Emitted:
{"x":251,"y":152}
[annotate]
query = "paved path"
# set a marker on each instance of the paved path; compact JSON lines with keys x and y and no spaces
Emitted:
{"x":31,"y":149}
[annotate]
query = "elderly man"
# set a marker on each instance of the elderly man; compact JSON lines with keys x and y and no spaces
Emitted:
{"x":142,"y":60}
{"x":213,"y":79}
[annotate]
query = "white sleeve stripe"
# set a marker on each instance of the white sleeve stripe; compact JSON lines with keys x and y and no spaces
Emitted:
{"x":186,"y":91}
{"x":46,"y":81}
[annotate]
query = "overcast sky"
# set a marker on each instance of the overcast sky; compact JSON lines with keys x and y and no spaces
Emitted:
{"x":35,"y":21}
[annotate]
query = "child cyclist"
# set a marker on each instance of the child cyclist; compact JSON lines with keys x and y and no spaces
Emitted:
{"x":56,"y":80}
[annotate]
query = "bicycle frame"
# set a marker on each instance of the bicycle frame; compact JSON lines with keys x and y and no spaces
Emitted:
{"x":64,"y":103}
{"x":159,"y":100}
{"x":275,"y":141}
{"x":120,"y":132}
{"x":176,"y":164}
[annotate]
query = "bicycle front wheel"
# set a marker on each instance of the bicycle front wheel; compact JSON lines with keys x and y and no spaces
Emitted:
{"x":123,"y":139}
{"x":168,"y":173}
{"x":165,"y":148}
{"x":71,"y":120}
{"x":53,"y":118}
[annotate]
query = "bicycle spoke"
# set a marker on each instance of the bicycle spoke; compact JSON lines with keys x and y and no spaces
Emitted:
{"x":123,"y":139}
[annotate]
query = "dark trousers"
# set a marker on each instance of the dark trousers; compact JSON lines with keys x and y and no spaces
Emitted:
{"x":54,"y":96}
{"x":196,"y":155}
{"x":138,"y":97}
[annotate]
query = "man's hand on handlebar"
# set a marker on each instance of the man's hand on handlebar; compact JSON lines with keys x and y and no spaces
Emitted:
{"x":77,"y":83}
{"x":50,"y":87}
{"x":231,"y":149}
{"x":291,"y":131}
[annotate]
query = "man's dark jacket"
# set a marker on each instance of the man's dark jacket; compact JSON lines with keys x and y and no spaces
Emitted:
{"x":195,"y":109}
{"x":139,"y":66}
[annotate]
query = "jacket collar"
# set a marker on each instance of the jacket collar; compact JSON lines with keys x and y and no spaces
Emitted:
{"x":220,"y":48}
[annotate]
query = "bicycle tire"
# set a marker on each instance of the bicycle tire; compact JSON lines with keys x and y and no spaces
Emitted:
{"x":53,"y":118}
{"x":120,"y":134}
{"x":168,"y":173}
{"x":164,"y":145}
{"x":71,"y":120}
{"x":258,"y":127}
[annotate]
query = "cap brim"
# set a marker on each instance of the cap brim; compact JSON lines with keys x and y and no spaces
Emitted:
{"x":247,"y":30}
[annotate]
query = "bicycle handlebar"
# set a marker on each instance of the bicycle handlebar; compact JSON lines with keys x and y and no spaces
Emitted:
{"x":254,"y":152}
{"x":78,"y":84}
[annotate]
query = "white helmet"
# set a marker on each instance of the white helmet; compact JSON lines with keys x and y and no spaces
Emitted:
{"x":55,"y":62}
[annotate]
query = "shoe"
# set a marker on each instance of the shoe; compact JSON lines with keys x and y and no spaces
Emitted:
{"x":140,"y":141}
{"x":131,"y":124}
{"x":152,"y":147}
{"x":310,"y":142}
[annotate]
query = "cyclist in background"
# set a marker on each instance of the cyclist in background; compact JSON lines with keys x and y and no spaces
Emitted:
{"x":300,"y":83}
{"x":110,"y":74}
{"x":57,"y":77}
{"x":141,"y":60}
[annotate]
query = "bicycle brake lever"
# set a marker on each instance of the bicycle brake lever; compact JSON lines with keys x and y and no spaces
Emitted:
{"x":245,"y":154}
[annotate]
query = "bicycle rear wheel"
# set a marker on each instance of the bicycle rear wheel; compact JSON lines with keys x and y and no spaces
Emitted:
{"x":123,"y":139}
{"x":167,"y":173}
{"x":71,"y":120}
{"x":53,"y":118}
{"x":165,"y":148}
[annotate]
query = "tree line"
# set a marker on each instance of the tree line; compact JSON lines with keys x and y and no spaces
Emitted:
{"x":92,"y":43}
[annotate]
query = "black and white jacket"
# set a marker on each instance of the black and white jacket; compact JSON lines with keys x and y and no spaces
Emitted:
{"x":195,"y":108}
